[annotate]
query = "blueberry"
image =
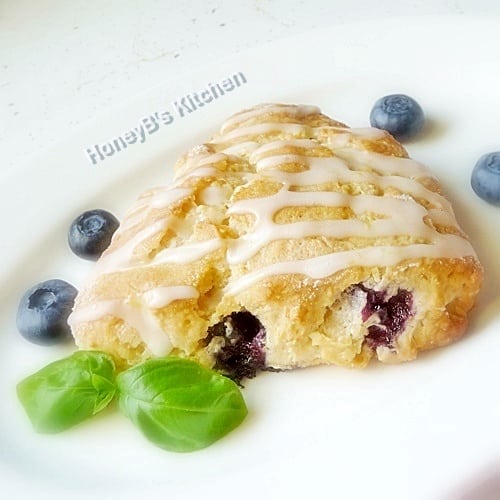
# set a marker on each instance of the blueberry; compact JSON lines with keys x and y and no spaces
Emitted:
{"x":42,"y":315}
{"x":399,"y":114}
{"x":393,"y":314}
{"x":242,"y":351}
{"x":91,"y":232}
{"x":485,"y":178}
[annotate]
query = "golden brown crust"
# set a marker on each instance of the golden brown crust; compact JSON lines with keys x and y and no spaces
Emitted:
{"x":308,"y":319}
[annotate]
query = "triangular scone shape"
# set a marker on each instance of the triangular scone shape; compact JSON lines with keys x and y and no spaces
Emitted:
{"x":286,"y":240}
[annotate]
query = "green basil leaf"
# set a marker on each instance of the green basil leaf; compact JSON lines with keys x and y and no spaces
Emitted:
{"x":68,"y":391}
{"x":178,"y":404}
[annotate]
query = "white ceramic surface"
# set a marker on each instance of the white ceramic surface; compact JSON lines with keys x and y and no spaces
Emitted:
{"x":62,"y":63}
{"x":422,"y":430}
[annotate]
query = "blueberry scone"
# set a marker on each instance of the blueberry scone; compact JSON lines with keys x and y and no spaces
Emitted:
{"x":287,"y":240}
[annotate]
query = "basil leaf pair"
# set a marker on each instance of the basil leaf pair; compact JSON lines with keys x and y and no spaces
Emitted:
{"x":178,"y":404}
{"x":68,"y":391}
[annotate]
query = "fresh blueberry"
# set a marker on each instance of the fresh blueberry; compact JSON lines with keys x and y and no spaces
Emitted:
{"x":399,"y":114}
{"x":485,"y":178}
{"x":91,"y":232}
{"x":42,"y":315}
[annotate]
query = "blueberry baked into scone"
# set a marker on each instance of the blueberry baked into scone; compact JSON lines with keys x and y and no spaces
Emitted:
{"x":287,"y":240}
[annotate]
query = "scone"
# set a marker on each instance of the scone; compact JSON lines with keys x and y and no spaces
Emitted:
{"x":287,"y":240}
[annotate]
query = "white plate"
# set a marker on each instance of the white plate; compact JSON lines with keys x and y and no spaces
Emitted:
{"x":422,"y":430}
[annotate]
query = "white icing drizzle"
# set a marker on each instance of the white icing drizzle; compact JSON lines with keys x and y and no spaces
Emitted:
{"x":137,"y":316}
{"x":448,"y":245}
{"x":297,"y":111}
{"x":242,"y":148}
{"x":385,"y":165}
{"x":368,"y":133}
{"x":402,"y":217}
{"x":215,"y":195}
{"x":276,"y":145}
{"x":191,"y":174}
{"x":397,"y":214}
{"x":340,"y":140}
{"x":273,"y":162}
{"x":122,"y":256}
{"x":163,"y":198}
{"x":324,"y":170}
{"x":203,"y":160}
{"x":184,"y":254}
{"x":159,"y":297}
{"x":155,"y":199}
{"x":261,"y":129}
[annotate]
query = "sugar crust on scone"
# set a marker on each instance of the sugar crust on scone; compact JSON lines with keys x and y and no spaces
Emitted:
{"x":318,"y":230}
